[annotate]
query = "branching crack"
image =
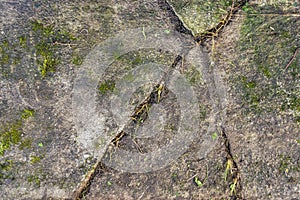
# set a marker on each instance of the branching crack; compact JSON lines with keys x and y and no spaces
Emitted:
{"x":207,"y":34}
{"x":232,"y":167}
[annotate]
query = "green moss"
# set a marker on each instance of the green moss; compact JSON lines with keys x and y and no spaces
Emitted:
{"x":48,"y":40}
{"x":4,"y":54}
{"x":106,"y":86}
{"x":266,"y":44}
{"x":26,"y":113}
{"x":35,"y":179}
{"x":285,"y":163}
{"x":292,"y":102}
{"x":47,"y":61}
{"x":23,"y":41}
{"x":5,"y":168}
{"x":25,"y":144}
{"x":251,"y":84}
{"x":10,"y":135}
{"x":77,"y":60}
{"x":35,"y":159}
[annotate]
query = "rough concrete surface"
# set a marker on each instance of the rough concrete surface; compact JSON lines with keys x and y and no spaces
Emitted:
{"x":223,"y":97}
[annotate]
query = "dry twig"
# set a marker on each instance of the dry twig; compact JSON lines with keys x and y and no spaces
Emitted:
{"x":292,"y":58}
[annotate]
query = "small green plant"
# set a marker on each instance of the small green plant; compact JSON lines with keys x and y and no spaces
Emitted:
{"x":233,"y":186}
{"x":229,"y":166}
{"x":198,"y":182}
{"x":214,"y":136}
{"x":109,"y":183}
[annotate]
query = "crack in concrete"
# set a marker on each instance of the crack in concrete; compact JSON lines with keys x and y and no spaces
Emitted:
{"x":179,"y":24}
{"x":85,"y":185}
{"x":204,"y":37}
{"x":235,"y":172}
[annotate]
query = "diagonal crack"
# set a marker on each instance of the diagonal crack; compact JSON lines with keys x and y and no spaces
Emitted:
{"x":235,"y":186}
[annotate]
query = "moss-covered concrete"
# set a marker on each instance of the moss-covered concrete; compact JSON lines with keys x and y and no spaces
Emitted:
{"x":43,"y":45}
{"x":200,"y":15}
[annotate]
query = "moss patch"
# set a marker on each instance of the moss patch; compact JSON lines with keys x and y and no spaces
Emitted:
{"x":10,"y":133}
{"x":5,"y":167}
{"x":48,"y":40}
{"x":201,"y":15}
{"x":267,"y":42}
{"x":106,"y":86}
{"x":35,"y":159}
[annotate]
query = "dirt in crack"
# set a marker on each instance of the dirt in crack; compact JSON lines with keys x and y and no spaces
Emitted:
{"x":179,"y":25}
{"x":232,"y":173}
{"x":84,"y":187}
{"x":207,"y":34}
{"x":141,"y":112}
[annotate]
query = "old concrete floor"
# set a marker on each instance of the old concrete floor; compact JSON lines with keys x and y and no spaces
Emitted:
{"x":229,"y":109}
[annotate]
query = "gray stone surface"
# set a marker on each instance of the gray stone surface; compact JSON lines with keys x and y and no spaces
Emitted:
{"x":255,"y":101}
